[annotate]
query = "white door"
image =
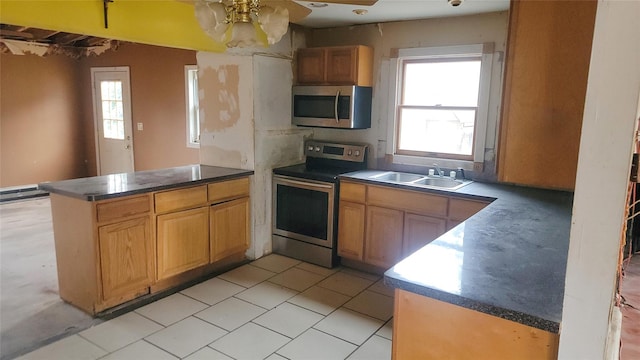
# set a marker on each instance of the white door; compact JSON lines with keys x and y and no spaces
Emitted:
{"x":112,"y":109}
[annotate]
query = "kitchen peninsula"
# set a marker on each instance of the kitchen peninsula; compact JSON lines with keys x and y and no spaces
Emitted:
{"x":123,"y":236}
{"x":490,"y":288}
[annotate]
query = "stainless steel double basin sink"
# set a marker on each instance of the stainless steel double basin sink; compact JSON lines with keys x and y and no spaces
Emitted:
{"x":435,"y":182}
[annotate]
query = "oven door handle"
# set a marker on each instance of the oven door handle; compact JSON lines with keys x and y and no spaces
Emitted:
{"x":335,"y":107}
{"x":302,"y":183}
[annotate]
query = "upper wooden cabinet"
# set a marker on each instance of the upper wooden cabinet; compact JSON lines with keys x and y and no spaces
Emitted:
{"x":340,"y":65}
{"x":546,"y":70}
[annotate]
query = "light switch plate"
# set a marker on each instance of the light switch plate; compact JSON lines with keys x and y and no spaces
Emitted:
{"x":140,"y":127}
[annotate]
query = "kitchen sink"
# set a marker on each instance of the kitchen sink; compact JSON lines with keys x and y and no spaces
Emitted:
{"x":425,"y":181}
{"x":439,"y":182}
{"x":398,"y":177}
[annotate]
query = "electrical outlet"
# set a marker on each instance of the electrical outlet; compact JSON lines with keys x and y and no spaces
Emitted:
{"x":478,"y":166}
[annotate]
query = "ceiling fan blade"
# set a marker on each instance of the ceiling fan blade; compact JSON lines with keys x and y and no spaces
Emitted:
{"x":345,"y":2}
{"x":297,"y":12}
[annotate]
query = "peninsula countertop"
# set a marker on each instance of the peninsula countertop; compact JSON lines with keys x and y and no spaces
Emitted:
{"x":508,"y":260}
{"x":139,"y":182}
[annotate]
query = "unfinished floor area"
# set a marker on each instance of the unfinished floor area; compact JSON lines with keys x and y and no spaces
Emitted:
{"x":31,"y":311}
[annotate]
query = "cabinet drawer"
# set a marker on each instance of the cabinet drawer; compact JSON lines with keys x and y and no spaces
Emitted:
{"x":226,"y":190}
{"x":461,"y":210}
{"x":181,"y":198}
{"x":352,"y":192}
{"x":411,"y":201}
{"x":118,"y":209}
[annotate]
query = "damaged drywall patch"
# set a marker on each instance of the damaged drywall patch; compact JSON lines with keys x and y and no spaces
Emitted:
{"x":18,"y":47}
{"x":220,"y":87}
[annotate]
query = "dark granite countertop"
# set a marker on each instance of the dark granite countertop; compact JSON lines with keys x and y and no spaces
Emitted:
{"x":140,"y":182}
{"x":508,"y":260}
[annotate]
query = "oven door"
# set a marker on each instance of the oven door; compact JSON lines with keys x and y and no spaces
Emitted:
{"x":304,"y":210}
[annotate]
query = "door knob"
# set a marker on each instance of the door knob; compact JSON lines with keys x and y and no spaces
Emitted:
{"x":128,"y":147}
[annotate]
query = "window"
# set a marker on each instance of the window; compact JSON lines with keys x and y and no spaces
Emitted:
{"x":112,"y":109}
{"x":193,"y":109}
{"x":440,"y":104}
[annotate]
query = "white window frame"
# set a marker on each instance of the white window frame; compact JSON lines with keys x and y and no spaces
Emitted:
{"x":485,"y":51}
{"x":192,"y":116}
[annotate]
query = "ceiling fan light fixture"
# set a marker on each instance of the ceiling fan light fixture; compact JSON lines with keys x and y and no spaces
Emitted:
{"x":274,"y":22}
{"x":212,"y":18}
{"x":240,"y":16}
{"x":360,"y":11}
{"x":243,"y":34}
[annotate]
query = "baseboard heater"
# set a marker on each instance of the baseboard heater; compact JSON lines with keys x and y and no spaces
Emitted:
{"x":21,"y":193}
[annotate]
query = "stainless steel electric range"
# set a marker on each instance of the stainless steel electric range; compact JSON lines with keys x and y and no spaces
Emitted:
{"x":305,"y":201}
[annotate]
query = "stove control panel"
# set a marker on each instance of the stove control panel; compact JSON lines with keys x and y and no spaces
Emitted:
{"x":338,"y":151}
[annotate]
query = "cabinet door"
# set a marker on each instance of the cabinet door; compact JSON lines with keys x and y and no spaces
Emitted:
{"x":351,"y":230}
{"x":342,"y":65}
{"x":183,"y":241}
{"x":420,"y":230}
{"x":229,"y":228}
{"x":126,"y":259}
{"x":311,"y":66}
{"x":383,"y":245}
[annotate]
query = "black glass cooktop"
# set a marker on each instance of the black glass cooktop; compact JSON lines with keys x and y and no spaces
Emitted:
{"x":304,"y":171}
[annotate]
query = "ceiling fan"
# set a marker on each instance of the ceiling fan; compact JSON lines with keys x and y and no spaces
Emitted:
{"x":242,"y":23}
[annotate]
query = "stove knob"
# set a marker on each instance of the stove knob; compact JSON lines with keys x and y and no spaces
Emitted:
{"x":357,"y":152}
{"x":349,"y":153}
{"x":310,"y":148}
{"x":317,"y":148}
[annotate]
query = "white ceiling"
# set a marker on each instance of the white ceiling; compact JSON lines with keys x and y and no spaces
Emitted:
{"x":395,"y":10}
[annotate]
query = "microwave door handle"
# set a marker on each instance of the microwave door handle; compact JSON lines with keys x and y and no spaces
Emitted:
{"x":335,"y":107}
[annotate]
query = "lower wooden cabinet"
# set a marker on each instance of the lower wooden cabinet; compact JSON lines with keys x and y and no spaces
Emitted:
{"x":383,"y":239}
{"x":425,"y":328}
{"x":112,"y":251}
{"x":182,"y":241}
{"x":229,"y":224}
{"x":419,"y":230}
{"x":351,"y":219}
{"x":126,"y":262}
{"x":380,"y":225}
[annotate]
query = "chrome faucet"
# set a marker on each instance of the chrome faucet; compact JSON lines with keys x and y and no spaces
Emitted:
{"x":438,"y":170}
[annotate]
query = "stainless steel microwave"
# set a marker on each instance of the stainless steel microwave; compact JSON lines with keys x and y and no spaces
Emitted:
{"x":344,"y":107}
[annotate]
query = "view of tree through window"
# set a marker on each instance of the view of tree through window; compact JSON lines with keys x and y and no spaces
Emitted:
{"x":438,"y":106}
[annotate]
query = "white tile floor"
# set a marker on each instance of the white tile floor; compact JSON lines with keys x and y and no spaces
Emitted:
{"x":273,"y":308}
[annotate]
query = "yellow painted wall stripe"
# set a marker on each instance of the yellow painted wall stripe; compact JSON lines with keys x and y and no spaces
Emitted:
{"x":156,"y":22}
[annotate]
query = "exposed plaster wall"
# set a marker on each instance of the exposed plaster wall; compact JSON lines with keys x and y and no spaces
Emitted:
{"x":226,"y":110}
{"x":474,"y":29}
{"x":245,"y":114}
{"x":603,"y":171}
{"x":278,"y":143}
